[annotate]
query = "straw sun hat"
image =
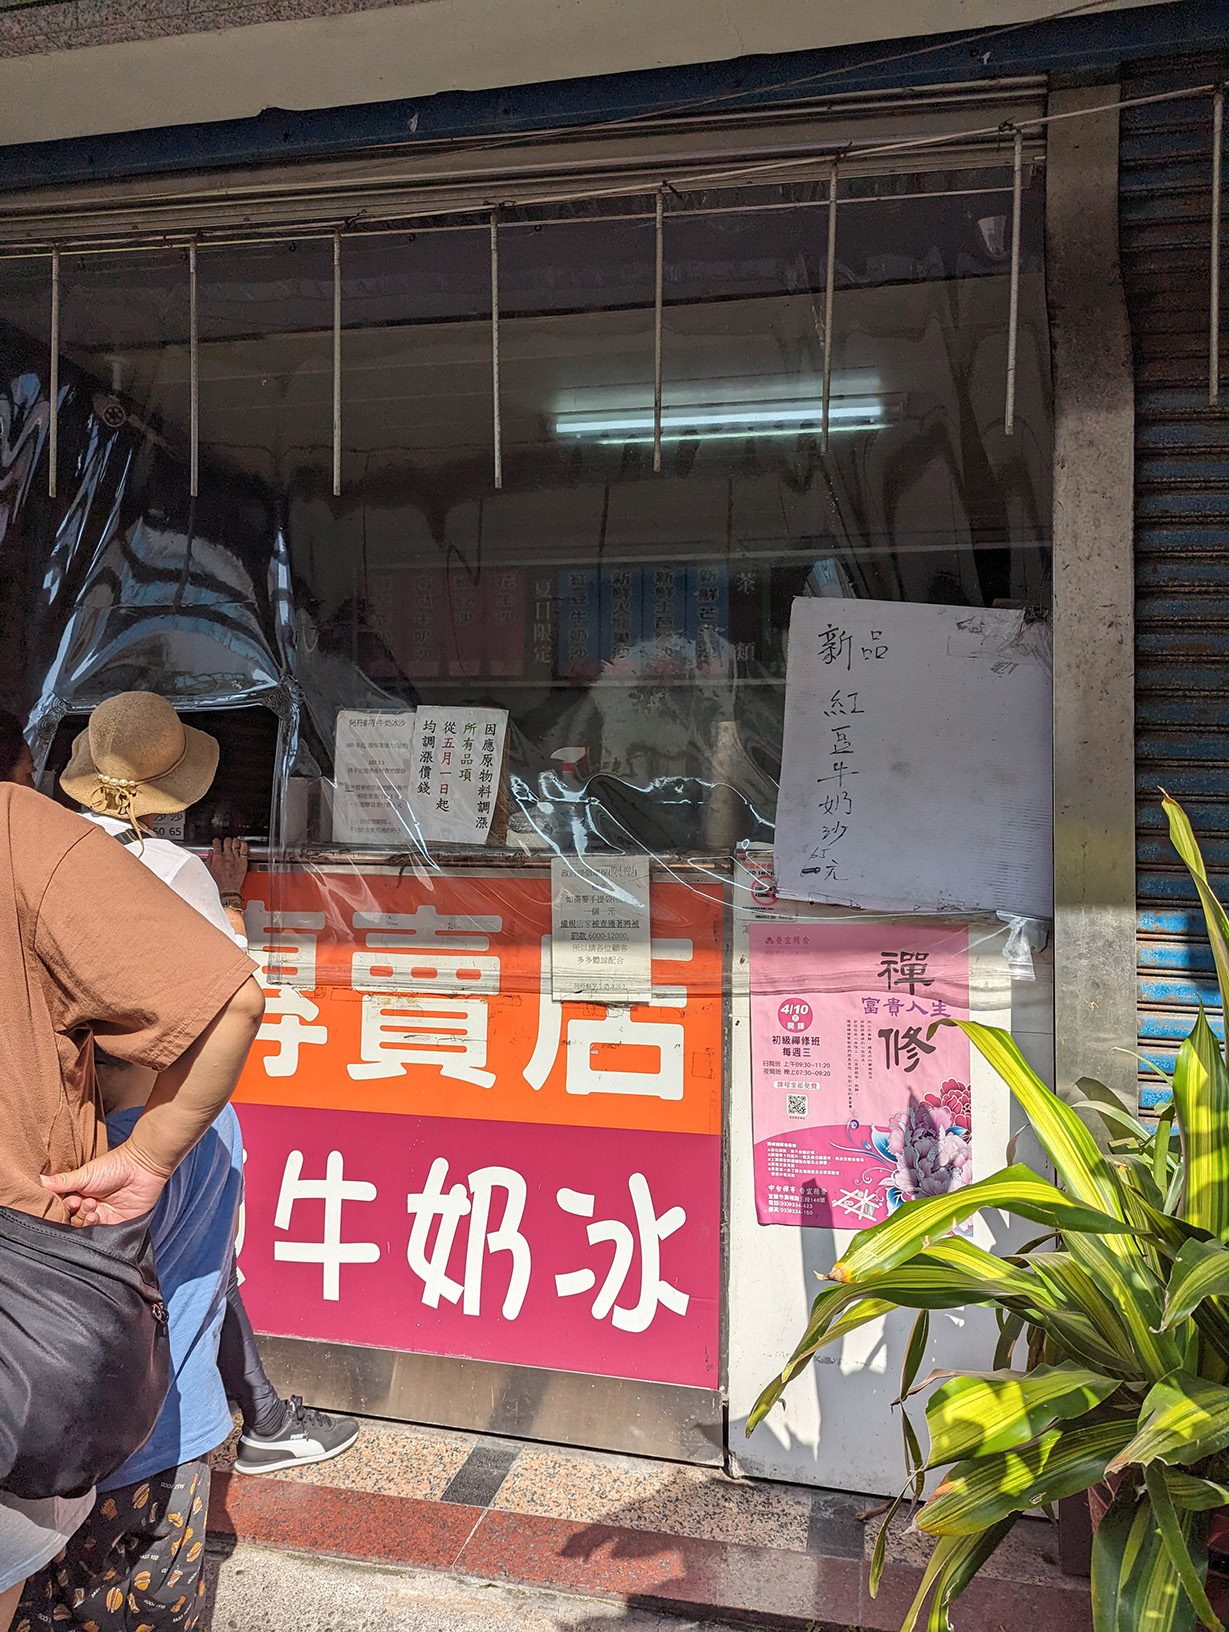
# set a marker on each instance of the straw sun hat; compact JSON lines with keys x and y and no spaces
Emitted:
{"x":137,"y":758}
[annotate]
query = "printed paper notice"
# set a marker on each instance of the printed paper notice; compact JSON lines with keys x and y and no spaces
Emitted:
{"x":373,"y":763}
{"x":856,"y":1108}
{"x":916,"y":773}
{"x":600,"y":942}
{"x":457,"y":766}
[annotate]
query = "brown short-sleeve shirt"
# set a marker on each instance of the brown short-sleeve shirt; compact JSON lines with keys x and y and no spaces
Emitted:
{"x":92,"y":944}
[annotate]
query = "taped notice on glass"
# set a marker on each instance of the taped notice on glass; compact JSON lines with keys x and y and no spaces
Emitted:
{"x":916,"y":773}
{"x":600,"y":940}
{"x":404,"y":778}
{"x":458,"y":757}
{"x":373,"y":760}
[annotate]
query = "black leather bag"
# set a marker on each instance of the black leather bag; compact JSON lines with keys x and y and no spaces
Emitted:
{"x":84,"y":1363}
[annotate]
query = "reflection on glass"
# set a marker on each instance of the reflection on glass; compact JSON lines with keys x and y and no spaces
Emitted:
{"x":632,"y":623}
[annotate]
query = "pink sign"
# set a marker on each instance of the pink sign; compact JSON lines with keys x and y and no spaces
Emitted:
{"x":531,"y":1245}
{"x":856,"y":1107}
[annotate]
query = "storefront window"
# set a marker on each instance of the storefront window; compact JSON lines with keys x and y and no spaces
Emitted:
{"x":632,"y":622}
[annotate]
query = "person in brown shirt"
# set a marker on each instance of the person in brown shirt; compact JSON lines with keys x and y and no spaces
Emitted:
{"x":92,"y":945}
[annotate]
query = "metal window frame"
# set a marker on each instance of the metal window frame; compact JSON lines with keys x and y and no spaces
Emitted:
{"x":356,"y":194}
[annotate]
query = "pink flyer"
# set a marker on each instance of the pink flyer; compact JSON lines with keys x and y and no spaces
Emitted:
{"x":856,"y":1107}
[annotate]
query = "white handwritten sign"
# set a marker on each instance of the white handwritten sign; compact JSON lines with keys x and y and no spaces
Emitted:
{"x":916,"y":772}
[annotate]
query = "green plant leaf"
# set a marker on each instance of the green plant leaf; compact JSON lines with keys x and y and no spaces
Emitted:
{"x":952,"y":1274}
{"x":980,"y":1413}
{"x":1196,"y":1494}
{"x":1074,"y":1290}
{"x":917,"y":1224}
{"x":1128,"y":1280}
{"x":1182,"y":1420}
{"x":1081,"y":1166}
{"x":1182,"y":837}
{"x":1201,"y":1270}
{"x":985,"y":1489}
{"x":1175,"y":1533}
{"x":1114,"y":1539}
{"x":1201,"y":1095}
{"x":1133,"y":1575}
{"x":950,"y":1568}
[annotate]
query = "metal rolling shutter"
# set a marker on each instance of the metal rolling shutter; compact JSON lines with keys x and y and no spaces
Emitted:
{"x":1181,"y":544}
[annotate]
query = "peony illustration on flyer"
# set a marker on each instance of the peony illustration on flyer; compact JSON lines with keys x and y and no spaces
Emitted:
{"x":856,"y":1106}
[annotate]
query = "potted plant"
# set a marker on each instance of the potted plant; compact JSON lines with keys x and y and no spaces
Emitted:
{"x":1118,"y":1315}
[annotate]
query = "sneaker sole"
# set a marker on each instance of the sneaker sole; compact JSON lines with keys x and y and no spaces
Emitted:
{"x":295,"y":1461}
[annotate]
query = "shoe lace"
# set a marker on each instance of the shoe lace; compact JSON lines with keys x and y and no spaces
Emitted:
{"x":307,"y":1416}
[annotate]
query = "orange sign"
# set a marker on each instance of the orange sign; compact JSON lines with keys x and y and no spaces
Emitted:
{"x":432,"y":997}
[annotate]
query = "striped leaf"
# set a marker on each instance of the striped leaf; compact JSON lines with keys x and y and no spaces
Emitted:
{"x":1182,"y":1420}
{"x":1195,"y":1494}
{"x":978,"y":1414}
{"x":1136,"y":1293}
{"x":1182,"y":837}
{"x":950,"y":1568}
{"x":1177,"y":1533}
{"x":1201,"y":1270}
{"x":984,"y":1489}
{"x":1135,"y":1587}
{"x":1075,"y":1290}
{"x":952,"y":1274}
{"x":916,"y":1225}
{"x":1082,"y":1169}
{"x":1201,"y":1094}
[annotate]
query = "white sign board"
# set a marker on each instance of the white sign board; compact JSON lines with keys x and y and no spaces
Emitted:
{"x":916,"y":773}
{"x":600,"y":943}
{"x":373,"y":761}
{"x":457,"y":764}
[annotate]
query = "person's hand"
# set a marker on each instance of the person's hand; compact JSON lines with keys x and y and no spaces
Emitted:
{"x":228,"y":862}
{"x":109,"y":1190}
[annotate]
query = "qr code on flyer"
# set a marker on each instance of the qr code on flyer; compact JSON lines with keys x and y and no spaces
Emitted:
{"x":796,"y":1105}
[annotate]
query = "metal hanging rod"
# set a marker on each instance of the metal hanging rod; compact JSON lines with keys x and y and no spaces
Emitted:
{"x":53,"y":384}
{"x":825,"y":437}
{"x":1013,"y":310}
{"x":194,"y":401}
{"x":336,"y":365}
{"x":405,"y":227}
{"x":659,"y":266}
{"x":496,"y":415}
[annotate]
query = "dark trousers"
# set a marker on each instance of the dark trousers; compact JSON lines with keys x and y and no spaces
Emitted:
{"x":243,"y":1374}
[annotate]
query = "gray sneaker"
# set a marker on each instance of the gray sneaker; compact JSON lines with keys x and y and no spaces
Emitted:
{"x":308,"y":1436}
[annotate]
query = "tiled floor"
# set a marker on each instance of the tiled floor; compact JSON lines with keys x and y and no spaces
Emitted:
{"x":624,"y":1528}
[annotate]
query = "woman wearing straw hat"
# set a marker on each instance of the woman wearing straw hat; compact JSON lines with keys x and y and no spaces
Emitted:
{"x":137,"y":759}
